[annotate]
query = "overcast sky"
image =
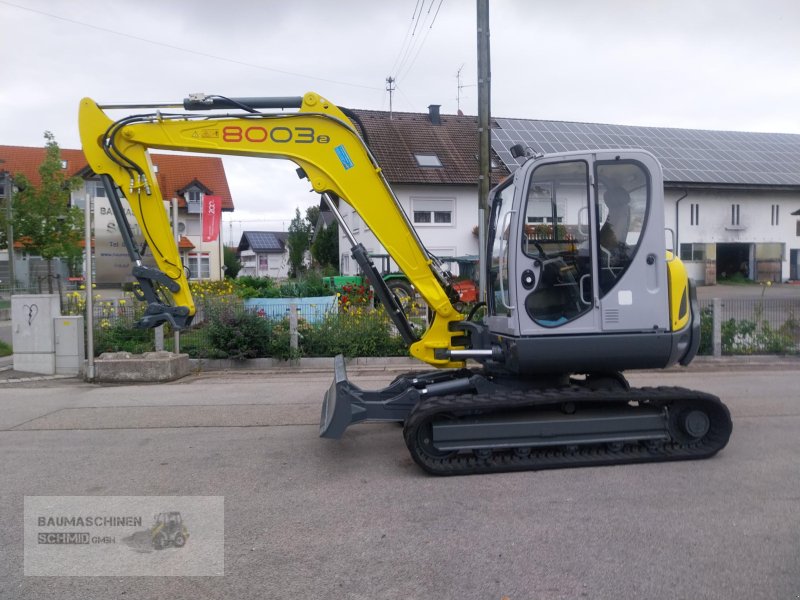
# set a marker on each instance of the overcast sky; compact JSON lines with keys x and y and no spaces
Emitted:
{"x":706,"y":64}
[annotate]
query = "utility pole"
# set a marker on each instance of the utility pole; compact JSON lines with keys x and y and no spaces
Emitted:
{"x":8,"y":188}
{"x":390,"y":87}
{"x":87,"y":278}
{"x":484,"y":135}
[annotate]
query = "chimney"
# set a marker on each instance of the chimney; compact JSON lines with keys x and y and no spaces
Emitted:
{"x":433,"y":114}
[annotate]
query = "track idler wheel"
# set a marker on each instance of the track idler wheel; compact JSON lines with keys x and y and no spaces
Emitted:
{"x":689,"y":424}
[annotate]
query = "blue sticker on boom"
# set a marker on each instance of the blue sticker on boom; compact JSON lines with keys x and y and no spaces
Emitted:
{"x":344,"y":157}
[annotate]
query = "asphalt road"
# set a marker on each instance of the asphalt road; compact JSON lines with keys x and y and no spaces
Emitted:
{"x":355,"y":518}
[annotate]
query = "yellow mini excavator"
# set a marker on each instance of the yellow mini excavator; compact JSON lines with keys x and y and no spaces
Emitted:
{"x":569,"y":306}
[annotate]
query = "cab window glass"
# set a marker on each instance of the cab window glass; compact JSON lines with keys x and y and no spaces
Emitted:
{"x":556,"y":236}
{"x":623,"y":195}
{"x":499,"y":296}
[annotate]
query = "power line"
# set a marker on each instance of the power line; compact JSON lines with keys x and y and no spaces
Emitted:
{"x":411,"y":46}
{"x":406,"y":37}
{"x":424,"y":39}
{"x":187,"y":50}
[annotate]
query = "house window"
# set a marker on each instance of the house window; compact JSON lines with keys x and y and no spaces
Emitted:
{"x":694,"y":214}
{"x":194,"y":201}
{"x":541,"y":206}
{"x":429,"y":211}
{"x":693,"y":252}
{"x":99,"y":191}
{"x":734,"y":214}
{"x":775,"y":214}
{"x":263,"y":263}
{"x":428,"y":160}
{"x":199,"y":265}
{"x":63,"y":164}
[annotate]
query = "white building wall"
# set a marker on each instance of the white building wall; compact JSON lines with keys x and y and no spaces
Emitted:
{"x":714,"y":221}
{"x":189,"y":225}
{"x":253,"y":265}
{"x":714,"y":225}
{"x":441,"y":239}
{"x":277,"y":266}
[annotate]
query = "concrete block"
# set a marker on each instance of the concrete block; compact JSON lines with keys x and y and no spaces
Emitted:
{"x":124,"y":367}
{"x":35,"y":362}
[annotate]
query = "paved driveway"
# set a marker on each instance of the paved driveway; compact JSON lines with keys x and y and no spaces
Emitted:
{"x":355,"y":518}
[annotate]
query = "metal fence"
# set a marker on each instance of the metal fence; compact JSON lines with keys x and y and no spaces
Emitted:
{"x":728,"y":327}
{"x":750,"y":326}
{"x":316,"y":330}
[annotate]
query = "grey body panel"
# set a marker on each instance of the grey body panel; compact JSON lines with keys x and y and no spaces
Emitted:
{"x":593,"y":353}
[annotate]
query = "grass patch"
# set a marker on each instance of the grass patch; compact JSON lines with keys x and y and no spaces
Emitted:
{"x":736,"y":279}
{"x":5,"y":349}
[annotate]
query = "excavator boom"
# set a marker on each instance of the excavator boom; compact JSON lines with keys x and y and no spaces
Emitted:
{"x":318,"y":137}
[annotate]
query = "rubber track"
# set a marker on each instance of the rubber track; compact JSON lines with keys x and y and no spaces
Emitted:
{"x":675,"y":399}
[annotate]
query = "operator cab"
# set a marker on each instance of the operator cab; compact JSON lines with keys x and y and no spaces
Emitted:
{"x":577,"y":248}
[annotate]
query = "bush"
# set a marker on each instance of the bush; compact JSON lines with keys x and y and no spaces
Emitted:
{"x":353,"y":335}
{"x":706,"y":332}
{"x":120,"y":335}
{"x":255,"y":287}
{"x":265,"y":287}
{"x":240,"y":336}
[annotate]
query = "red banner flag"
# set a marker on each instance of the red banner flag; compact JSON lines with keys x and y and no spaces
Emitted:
{"x":212,"y":217}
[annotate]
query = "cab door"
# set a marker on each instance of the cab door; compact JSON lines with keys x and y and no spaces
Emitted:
{"x":554,"y":265}
{"x":630,"y":242}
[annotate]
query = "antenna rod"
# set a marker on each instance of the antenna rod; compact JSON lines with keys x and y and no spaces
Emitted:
{"x":390,"y":87}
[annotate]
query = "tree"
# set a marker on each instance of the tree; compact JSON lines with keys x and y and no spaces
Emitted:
{"x":232,"y":263}
{"x":325,"y":249}
{"x":312,"y":216}
{"x":298,"y":242}
{"x":43,"y":219}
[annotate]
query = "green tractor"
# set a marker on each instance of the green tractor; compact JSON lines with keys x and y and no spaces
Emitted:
{"x":168,"y":530}
{"x":466,"y":290}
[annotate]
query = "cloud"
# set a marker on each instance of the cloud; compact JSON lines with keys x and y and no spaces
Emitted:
{"x":719,"y":64}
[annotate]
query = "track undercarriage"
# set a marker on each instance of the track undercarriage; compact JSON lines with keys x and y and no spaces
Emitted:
{"x":462,"y":422}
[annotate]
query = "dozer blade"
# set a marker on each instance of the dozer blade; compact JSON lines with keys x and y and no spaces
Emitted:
{"x":346,"y":403}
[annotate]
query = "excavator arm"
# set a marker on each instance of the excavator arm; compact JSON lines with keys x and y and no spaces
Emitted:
{"x":319,"y":138}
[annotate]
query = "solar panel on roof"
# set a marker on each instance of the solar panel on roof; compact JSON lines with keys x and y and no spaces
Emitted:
{"x":686,"y":154}
{"x":263,"y":240}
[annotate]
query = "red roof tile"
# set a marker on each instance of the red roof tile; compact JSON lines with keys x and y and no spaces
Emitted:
{"x":185,"y":243}
{"x":26,"y":160}
{"x":175,"y":172}
{"x":455,"y":141}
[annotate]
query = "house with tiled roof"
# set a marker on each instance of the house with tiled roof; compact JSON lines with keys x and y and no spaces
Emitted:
{"x":185,"y":178}
{"x":731,"y":199}
{"x":431,"y":162}
{"x":264,"y":254}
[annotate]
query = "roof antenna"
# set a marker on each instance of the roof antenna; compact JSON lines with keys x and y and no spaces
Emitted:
{"x":390,"y":87}
{"x":459,"y":87}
